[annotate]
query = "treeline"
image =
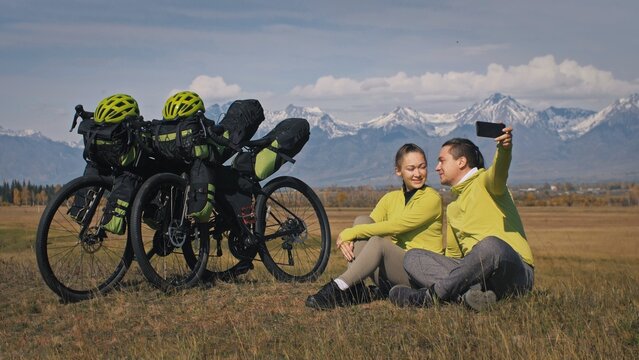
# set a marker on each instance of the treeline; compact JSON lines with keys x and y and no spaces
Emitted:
{"x":25,"y":193}
{"x":609,"y":194}
{"x":355,"y":196}
{"x":565,"y":194}
{"x":562,"y":194}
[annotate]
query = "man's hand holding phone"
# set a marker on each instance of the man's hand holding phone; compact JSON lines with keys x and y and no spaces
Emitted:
{"x":506,"y":139}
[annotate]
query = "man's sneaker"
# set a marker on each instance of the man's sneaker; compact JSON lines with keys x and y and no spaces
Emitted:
{"x":479,"y":300}
{"x":328,"y":297}
{"x":402,"y":296}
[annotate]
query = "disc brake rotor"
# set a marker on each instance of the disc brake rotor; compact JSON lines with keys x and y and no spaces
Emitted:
{"x":92,"y":240}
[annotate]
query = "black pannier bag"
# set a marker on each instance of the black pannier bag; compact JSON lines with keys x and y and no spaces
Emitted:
{"x":240,"y":123}
{"x":81,"y":199}
{"x":201,"y":192}
{"x":108,"y":145}
{"x":181,"y":140}
{"x":114,"y":218}
{"x":286,"y":140}
{"x":236,"y":192}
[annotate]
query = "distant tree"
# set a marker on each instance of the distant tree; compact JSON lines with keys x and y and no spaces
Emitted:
{"x":26,"y":196}
{"x":17,"y":197}
{"x":569,"y":187}
{"x":38,"y":198}
{"x":341,"y":199}
{"x":530,"y":198}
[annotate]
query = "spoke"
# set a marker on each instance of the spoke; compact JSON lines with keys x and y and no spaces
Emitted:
{"x":63,"y":253}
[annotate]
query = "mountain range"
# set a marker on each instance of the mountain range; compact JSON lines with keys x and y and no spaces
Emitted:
{"x":550,"y":145}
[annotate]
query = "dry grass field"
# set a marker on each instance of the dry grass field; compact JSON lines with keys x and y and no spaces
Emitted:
{"x":585,"y":306}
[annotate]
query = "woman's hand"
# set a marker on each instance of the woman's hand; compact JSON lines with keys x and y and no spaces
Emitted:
{"x":346,"y":247}
{"x":506,"y":140}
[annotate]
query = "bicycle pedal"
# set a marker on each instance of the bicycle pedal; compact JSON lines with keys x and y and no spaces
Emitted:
{"x":247,"y":214}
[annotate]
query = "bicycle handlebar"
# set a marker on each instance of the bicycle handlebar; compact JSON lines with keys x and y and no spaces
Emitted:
{"x":80,"y":113}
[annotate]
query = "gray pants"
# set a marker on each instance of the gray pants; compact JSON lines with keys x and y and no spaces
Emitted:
{"x":492,"y":264}
{"x":378,"y":258}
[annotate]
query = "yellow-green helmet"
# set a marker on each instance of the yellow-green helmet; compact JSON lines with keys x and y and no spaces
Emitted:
{"x":115,"y":108}
{"x":182,"y":105}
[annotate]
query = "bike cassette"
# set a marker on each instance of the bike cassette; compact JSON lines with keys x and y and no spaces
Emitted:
{"x":297,"y":230}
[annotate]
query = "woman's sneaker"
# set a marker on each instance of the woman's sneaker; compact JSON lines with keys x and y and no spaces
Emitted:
{"x":479,"y":300}
{"x":328,"y":297}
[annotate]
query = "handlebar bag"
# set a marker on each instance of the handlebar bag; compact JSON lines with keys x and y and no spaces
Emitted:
{"x":240,"y":123}
{"x":287,"y":140}
{"x":108,"y":145}
{"x":181,"y":140}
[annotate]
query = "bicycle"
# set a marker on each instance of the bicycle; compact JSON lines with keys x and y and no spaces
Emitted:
{"x":284,"y":222}
{"x":76,"y":257}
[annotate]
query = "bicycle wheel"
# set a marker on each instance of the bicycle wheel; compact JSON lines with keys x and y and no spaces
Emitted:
{"x":171,"y":249}
{"x":295,"y":231}
{"x":228,"y":258}
{"x":76,"y":257}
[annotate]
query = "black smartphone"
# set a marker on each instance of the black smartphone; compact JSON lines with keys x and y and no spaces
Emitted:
{"x":488,"y":129}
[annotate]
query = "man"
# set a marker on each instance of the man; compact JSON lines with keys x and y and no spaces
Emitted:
{"x":487,"y":254}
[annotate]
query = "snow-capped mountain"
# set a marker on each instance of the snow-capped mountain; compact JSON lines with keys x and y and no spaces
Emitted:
{"x":620,"y":110}
{"x":316,"y":118}
{"x":29,"y":155}
{"x":568,"y":123}
{"x":563,"y":120}
{"x":498,"y":108}
{"x":429,"y":124}
{"x":569,"y":144}
{"x":21,"y":133}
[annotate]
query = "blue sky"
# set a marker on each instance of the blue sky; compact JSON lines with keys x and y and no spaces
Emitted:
{"x":353,"y":59}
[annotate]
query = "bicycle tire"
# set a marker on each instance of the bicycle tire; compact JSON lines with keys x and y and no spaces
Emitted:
{"x":172,"y":255}
{"x":294,"y":228}
{"x":78,"y":265}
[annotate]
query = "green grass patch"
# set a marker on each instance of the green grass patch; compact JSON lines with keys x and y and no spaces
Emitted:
{"x":16,"y":239}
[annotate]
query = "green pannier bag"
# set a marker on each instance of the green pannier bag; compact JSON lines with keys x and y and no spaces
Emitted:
{"x":286,"y":140}
{"x":115,"y":212}
{"x":201,"y":192}
{"x":108,"y":145}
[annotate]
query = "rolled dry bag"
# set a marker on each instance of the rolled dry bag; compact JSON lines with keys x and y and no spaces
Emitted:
{"x":287,"y":140}
{"x":240,"y":123}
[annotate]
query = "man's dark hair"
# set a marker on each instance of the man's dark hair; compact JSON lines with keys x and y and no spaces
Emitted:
{"x":405,"y":149}
{"x":463,"y":147}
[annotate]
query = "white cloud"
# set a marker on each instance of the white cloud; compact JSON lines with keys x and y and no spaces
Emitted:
{"x":214,"y":88}
{"x":542,"y":77}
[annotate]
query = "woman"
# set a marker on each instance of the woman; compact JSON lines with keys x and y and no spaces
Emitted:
{"x":403,"y":219}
